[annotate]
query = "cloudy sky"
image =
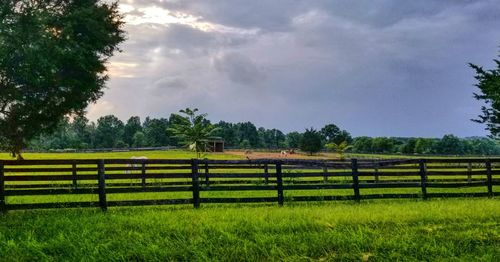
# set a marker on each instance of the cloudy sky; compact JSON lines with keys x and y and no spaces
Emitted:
{"x":378,"y":68}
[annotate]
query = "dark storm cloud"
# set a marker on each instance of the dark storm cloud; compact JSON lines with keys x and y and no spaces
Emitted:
{"x":373,"y":67}
{"x":239,"y":68}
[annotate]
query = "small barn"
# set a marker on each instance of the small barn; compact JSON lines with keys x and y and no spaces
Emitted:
{"x":215,"y":144}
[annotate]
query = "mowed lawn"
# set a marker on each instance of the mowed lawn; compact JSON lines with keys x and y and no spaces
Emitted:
{"x":462,"y":229}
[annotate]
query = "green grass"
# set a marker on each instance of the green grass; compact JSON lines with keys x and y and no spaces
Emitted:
{"x":383,"y":230}
{"x":170,"y":154}
{"x":451,"y":230}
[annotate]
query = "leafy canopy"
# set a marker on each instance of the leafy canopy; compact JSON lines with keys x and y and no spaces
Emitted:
{"x":52,"y":62}
{"x":311,"y":141}
{"x":489,"y":87}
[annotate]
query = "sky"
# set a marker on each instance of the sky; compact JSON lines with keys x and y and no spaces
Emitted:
{"x":376,"y":68}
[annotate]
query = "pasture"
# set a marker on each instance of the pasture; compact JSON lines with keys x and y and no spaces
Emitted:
{"x":371,"y":230}
{"x":383,"y":230}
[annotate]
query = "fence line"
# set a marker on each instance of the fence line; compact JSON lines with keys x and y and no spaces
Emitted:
{"x":216,"y":181}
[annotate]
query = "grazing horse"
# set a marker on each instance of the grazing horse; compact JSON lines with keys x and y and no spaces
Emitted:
{"x":134,"y":165}
{"x":284,"y":153}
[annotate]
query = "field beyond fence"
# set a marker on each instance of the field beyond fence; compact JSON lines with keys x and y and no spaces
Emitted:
{"x":104,"y":183}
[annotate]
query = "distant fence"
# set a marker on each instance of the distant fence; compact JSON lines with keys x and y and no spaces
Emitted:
{"x":98,"y":150}
{"x":198,"y":182}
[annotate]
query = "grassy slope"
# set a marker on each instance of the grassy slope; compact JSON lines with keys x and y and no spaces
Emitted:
{"x":464,"y":229}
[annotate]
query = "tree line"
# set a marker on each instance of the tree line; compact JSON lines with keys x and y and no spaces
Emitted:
{"x":110,"y":132}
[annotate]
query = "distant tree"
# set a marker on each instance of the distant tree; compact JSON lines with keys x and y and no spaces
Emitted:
{"x":83,"y":131}
{"x":329,"y":132}
{"x":293,"y":139}
{"x":333,"y":134}
{"x":53,"y":56}
{"x":248,"y":131}
{"x":228,"y":132}
{"x":409,"y":146}
{"x":311,"y":141}
{"x":484,"y":146}
{"x":489,"y":93}
{"x":424,"y":146}
{"x":383,"y":145}
{"x":449,"y":145}
{"x":139,"y":139}
{"x":193,"y":130}
{"x":363,"y":144}
{"x":132,"y":126}
{"x":245,"y":144}
{"x":156,"y":132}
{"x":109,"y":132}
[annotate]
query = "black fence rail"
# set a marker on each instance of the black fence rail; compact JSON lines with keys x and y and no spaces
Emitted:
{"x":29,"y":184}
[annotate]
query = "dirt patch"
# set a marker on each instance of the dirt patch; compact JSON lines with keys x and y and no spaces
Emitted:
{"x":277,"y":155}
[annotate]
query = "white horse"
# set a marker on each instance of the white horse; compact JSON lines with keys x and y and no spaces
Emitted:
{"x":284,"y":153}
{"x":129,"y":165}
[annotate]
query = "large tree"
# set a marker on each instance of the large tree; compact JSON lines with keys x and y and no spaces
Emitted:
{"x":52,"y":62}
{"x":489,"y":92}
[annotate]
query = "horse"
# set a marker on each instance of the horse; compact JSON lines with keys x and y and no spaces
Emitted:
{"x":129,"y":165}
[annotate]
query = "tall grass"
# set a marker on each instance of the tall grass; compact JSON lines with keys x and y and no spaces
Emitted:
{"x":460,"y":230}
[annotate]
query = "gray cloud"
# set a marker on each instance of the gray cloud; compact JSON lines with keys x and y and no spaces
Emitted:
{"x":373,"y":67}
{"x":239,"y":68}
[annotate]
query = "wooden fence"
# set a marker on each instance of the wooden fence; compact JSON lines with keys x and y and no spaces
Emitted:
{"x":24,"y":184}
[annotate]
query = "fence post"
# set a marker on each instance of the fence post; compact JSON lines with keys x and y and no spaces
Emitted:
{"x":355,"y":179}
{"x":423,"y":178}
{"x":266,"y":173}
{"x":196,"y":183}
{"x":279,"y":182}
{"x":325,"y":174}
{"x":489,"y":178}
{"x":207,"y":182}
{"x":102,"y":185}
{"x":376,"y":164}
{"x":3,"y":207}
{"x":75,"y":178}
{"x":143,"y":175}
{"x":469,"y":170}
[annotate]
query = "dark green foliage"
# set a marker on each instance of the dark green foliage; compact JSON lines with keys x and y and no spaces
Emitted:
{"x":489,"y":92}
{"x":383,"y":145}
{"x":139,"y":139}
{"x":156,"y":132}
{"x":52,"y":62}
{"x":450,"y":145}
{"x":271,"y":138}
{"x":79,"y":133}
{"x":109,"y":132}
{"x":229,"y":132}
{"x":409,"y":146}
{"x":311,"y":141}
{"x":363,"y":144}
{"x":333,"y":134}
{"x":131,"y":128}
{"x":424,"y":146}
{"x":293,"y":139}
{"x":248,"y":131}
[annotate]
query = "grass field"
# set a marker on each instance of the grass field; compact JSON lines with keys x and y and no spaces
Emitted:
{"x":456,"y":230}
{"x":405,"y":230}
